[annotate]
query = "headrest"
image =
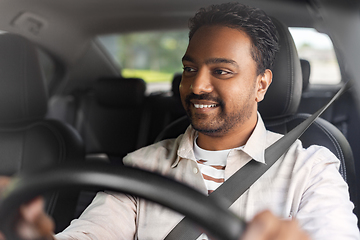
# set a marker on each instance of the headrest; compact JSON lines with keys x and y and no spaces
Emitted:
{"x":305,"y":69}
{"x":22,"y":88}
{"x":120,"y":92}
{"x":284,"y":94}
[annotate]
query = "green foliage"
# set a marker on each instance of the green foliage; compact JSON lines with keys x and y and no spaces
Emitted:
{"x":148,"y":75}
{"x":155,"y":53}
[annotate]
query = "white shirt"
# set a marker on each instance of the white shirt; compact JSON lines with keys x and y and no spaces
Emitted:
{"x":303,"y":183}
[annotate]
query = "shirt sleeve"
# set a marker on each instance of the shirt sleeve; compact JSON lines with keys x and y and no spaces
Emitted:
{"x":325,"y":211}
{"x":109,"y":216}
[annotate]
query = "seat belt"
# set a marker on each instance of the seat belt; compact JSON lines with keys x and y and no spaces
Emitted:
{"x":241,"y":180}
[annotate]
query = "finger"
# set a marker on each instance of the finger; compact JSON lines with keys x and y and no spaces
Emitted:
{"x":45,"y":225}
{"x":4,"y":182}
{"x":289,"y":229}
{"x":30,"y":231}
{"x":31,"y":210}
{"x":262,"y":227}
{"x":35,"y":222}
{"x":266,"y":226}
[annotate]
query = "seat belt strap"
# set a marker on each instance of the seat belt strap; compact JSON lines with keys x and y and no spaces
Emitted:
{"x":240,"y":181}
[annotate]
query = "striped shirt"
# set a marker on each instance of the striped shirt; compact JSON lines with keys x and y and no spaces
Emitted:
{"x":212,"y":167}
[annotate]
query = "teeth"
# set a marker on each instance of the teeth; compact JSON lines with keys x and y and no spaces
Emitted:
{"x":204,"y":106}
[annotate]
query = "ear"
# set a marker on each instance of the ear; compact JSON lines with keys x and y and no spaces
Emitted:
{"x":263,"y":82}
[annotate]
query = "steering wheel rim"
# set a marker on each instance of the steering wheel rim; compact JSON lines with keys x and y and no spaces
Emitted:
{"x":217,"y":222}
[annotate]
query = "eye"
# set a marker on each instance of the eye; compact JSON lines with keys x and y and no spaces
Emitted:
{"x":222,"y":73}
{"x":189,"y":69}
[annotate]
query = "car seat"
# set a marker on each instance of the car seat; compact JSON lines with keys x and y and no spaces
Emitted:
{"x":111,"y":104}
{"x":279,"y":110}
{"x":164,"y":108}
{"x":28,"y":141}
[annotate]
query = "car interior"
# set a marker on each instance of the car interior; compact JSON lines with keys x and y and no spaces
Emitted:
{"x":64,"y":98}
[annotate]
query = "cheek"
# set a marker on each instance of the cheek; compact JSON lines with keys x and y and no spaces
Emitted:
{"x":229,"y":92}
{"x":184,"y":89}
{"x":236,"y":97}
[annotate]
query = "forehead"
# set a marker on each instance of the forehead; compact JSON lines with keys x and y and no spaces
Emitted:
{"x":219,"y":42}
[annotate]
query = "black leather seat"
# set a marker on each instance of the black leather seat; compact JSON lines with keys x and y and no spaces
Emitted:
{"x":27,"y":140}
{"x":164,"y":108}
{"x":279,"y":110}
{"x":111,"y":104}
{"x":305,"y":70}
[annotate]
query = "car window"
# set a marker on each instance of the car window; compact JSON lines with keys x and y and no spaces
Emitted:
{"x":318,"y":49}
{"x":152,"y":56}
{"x":156,"y":56}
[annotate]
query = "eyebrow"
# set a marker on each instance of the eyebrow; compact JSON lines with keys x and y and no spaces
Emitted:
{"x":187,"y":58}
{"x":212,"y":60}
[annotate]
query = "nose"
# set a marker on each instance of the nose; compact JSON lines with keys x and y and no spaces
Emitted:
{"x":201,"y":82}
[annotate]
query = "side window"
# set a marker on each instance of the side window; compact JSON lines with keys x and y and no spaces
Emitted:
{"x":317,"y":48}
{"x":152,"y":56}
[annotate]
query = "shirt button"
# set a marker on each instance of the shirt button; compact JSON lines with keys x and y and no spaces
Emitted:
{"x":195,"y":170}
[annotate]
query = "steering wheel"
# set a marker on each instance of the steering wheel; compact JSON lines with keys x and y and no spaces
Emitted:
{"x":218,"y":222}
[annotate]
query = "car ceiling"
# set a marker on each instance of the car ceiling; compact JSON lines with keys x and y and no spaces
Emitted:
{"x":65,"y":27}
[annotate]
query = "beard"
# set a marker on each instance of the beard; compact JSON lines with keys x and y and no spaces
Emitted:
{"x":220,"y":123}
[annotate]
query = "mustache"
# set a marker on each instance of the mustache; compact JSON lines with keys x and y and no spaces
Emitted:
{"x":193,"y":96}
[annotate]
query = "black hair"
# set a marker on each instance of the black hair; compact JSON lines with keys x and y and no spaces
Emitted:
{"x":252,"y":21}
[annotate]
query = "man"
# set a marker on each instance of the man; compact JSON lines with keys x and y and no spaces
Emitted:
{"x":226,"y":73}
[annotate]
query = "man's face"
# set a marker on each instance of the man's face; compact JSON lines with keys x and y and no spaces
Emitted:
{"x":220,"y":88}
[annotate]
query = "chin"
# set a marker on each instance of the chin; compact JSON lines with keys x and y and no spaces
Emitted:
{"x":208,"y":130}
{"x":211,"y":132}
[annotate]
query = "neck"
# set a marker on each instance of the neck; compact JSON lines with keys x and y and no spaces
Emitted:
{"x":232,"y":139}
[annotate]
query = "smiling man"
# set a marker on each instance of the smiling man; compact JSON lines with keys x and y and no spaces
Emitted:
{"x":227,"y":71}
{"x":221,"y":86}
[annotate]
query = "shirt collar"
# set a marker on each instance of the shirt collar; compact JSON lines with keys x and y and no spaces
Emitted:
{"x":256,"y":144}
{"x":254,"y":147}
{"x":186,"y":146}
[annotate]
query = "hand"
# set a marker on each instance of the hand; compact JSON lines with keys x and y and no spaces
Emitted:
{"x":33,"y":222}
{"x":266,"y":226}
